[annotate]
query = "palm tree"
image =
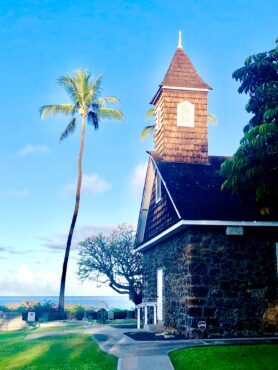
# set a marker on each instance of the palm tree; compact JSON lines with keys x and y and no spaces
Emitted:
{"x":147,"y":130}
{"x":88,"y":104}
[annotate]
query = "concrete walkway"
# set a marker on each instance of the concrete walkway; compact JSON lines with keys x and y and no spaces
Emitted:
{"x":143,"y":355}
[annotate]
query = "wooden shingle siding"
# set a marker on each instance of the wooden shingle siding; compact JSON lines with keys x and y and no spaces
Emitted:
{"x":177,"y":143}
{"x":161,"y":215}
{"x":182,"y":143}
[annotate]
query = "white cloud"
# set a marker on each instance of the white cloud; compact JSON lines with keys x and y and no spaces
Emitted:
{"x":11,"y":250}
{"x":29,"y":149}
{"x":92,"y":184}
{"x":15,"y":193}
{"x":138,"y":178}
{"x":28,"y":282}
{"x":58,"y":242}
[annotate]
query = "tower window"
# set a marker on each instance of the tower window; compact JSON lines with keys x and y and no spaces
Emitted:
{"x":158,"y":120}
{"x":185,"y":114}
{"x":157,"y":188}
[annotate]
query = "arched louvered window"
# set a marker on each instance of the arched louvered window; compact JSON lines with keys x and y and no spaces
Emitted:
{"x":158,"y":120}
{"x":185,"y":114}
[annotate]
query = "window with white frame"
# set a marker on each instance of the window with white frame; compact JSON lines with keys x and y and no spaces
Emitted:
{"x":158,"y":119}
{"x":185,"y":114}
{"x":157,"y":188}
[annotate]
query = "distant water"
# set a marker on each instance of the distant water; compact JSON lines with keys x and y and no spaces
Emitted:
{"x":121,"y":302}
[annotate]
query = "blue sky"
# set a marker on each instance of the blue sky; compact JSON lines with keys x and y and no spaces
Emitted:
{"x":132,"y":42}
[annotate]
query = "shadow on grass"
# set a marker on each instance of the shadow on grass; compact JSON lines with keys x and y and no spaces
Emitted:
{"x":73,"y":351}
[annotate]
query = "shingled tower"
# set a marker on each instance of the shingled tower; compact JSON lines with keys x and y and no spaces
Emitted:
{"x":181,"y":113}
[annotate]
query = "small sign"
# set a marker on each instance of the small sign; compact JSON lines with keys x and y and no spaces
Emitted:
{"x":202,"y":325}
{"x":31,"y":316}
{"x":111,"y":315}
{"x":234,"y":230}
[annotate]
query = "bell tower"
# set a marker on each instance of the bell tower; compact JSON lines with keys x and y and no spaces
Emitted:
{"x":180,"y":105}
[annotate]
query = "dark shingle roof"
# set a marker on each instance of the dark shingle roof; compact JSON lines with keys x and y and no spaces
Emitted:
{"x":196,"y":192}
{"x":181,"y":73}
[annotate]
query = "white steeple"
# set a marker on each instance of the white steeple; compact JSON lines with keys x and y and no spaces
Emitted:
{"x":179,"y":44}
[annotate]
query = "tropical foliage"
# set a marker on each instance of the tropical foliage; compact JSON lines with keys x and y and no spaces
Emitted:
{"x":252,"y":172}
{"x":88,"y":104}
{"x":111,"y":259}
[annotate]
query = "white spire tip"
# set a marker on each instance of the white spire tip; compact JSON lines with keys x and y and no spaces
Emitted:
{"x":179,"y":44}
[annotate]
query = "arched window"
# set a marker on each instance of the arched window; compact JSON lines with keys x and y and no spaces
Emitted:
{"x":158,"y":120}
{"x":185,"y":114}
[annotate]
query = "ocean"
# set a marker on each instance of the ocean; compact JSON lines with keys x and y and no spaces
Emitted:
{"x":121,"y":302}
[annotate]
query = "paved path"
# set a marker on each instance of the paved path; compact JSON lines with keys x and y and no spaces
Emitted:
{"x":143,"y":355}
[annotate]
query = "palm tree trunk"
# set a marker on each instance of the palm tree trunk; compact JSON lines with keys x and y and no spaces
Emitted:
{"x":61,"y":311}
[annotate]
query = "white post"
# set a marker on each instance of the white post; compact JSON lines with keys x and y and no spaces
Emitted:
{"x":146,"y":315}
{"x":138,"y":317}
{"x":154,"y":315}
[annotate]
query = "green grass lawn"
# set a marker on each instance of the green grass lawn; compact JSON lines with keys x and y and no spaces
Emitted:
{"x":73,"y":351}
{"x":248,"y":357}
{"x":57,"y":328}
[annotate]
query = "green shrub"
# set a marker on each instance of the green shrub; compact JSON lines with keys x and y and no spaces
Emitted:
{"x":4,"y":308}
{"x":76,"y":312}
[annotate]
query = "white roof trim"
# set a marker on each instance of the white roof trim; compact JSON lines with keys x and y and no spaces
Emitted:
{"x":183,"y":223}
{"x":183,"y":88}
{"x":144,"y":209}
{"x":154,"y":99}
{"x":164,"y":183}
{"x":166,"y":233}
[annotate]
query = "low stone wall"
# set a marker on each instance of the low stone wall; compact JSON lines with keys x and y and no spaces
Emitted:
{"x":11,"y":321}
{"x":228,"y":282}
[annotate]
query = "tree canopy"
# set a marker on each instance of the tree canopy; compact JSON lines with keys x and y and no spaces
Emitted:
{"x":252,"y":172}
{"x":111,"y":259}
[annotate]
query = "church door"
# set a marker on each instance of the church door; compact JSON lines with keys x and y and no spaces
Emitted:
{"x":159,"y":295}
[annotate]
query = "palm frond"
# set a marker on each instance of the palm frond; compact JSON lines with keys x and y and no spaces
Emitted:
{"x":69,"y":84}
{"x":82,"y":79}
{"x":94,"y":90}
{"x":54,"y":109}
{"x":147,"y":131}
{"x":101,"y":102}
{"x":69,"y":130}
{"x":93,"y":119}
{"x":109,"y":113}
{"x":107,"y":99}
{"x":150,"y":113}
{"x":111,"y":99}
{"x":212,"y":119}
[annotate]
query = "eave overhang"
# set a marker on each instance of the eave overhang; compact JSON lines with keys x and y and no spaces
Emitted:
{"x":182,"y":224}
{"x":179,"y":88}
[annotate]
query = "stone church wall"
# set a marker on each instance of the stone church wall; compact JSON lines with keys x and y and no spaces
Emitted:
{"x":229,"y":282}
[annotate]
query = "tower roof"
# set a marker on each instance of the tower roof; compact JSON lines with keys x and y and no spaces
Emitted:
{"x":181,"y":73}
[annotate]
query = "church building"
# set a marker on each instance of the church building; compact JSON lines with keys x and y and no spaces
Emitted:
{"x":210,"y":262}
